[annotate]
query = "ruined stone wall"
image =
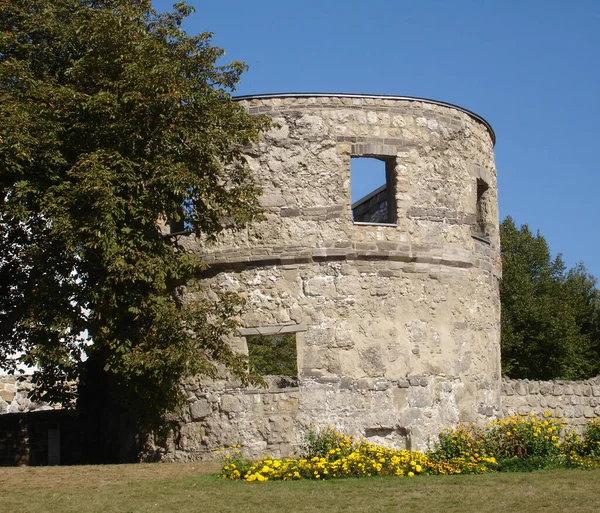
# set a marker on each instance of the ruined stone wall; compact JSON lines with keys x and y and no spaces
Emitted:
{"x":15,"y":395}
{"x":372,"y":208}
{"x":397,"y":325}
{"x":268,"y":420}
{"x":575,"y":401}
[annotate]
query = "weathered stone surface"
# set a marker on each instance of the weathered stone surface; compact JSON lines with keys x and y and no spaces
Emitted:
{"x":397,"y":326}
{"x":7,"y":395}
{"x":200,"y":409}
{"x":402,"y":320}
{"x":573,"y":400}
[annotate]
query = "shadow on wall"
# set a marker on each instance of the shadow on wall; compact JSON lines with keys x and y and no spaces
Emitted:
{"x":50,"y":437}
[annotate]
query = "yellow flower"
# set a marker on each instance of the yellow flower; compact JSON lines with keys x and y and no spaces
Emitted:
{"x":411,"y":474}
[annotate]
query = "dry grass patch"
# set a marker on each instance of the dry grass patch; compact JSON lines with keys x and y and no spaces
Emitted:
{"x":100,"y":475}
{"x":187,"y":488}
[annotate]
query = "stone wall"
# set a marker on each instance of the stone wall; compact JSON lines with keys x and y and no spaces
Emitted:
{"x":15,"y":395}
{"x":397,"y":326}
{"x":48,"y":437}
{"x":372,"y":208}
{"x":268,"y":420}
{"x":575,"y":401}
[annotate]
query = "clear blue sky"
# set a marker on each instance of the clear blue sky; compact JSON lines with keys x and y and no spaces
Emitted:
{"x":530,"y":67}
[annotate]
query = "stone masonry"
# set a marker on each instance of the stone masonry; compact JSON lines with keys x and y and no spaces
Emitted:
{"x":396,"y":324}
{"x":575,"y":401}
{"x":396,"y":319}
{"x":15,"y":395}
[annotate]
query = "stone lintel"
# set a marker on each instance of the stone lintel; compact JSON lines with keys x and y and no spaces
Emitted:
{"x":272,"y":330}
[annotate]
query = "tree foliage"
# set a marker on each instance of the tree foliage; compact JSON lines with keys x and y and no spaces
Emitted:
{"x":550,"y":316}
{"x":273,"y":355}
{"x":112,"y":119}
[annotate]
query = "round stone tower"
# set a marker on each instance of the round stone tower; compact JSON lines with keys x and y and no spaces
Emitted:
{"x":386,"y":305}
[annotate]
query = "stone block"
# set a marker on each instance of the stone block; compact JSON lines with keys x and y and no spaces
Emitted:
{"x":487,"y":411}
{"x":521,"y":388}
{"x":508,"y":389}
{"x":7,"y":395}
{"x":231,"y":404}
{"x":403,"y":383}
{"x":200,"y":409}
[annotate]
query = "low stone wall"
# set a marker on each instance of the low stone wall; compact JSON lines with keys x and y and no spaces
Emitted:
{"x":399,"y":413}
{"x":266,"y":420}
{"x":575,"y":401}
{"x":51,"y":437}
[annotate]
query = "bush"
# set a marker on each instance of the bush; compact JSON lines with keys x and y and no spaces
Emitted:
{"x":235,"y":465}
{"x":524,"y":437}
{"x":317,"y":442}
{"x":590,"y":443}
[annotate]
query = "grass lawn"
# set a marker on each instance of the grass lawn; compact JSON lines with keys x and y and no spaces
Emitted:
{"x":193,"y":487}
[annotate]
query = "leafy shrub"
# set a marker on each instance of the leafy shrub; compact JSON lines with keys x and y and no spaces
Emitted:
{"x":461,"y":442}
{"x":235,"y":465}
{"x":524,"y":437}
{"x":590,"y":442}
{"x":318,"y":443}
{"x":516,"y":464}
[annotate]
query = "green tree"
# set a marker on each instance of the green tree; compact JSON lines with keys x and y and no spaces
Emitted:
{"x":112,"y":119}
{"x":273,"y":355}
{"x":549,"y":316}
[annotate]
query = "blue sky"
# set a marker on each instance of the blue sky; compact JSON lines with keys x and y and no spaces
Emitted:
{"x":530,"y":67}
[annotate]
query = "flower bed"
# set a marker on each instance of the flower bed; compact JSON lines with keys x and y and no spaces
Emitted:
{"x":512,"y":443}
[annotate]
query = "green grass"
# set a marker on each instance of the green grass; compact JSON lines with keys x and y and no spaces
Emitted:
{"x":188,"y":488}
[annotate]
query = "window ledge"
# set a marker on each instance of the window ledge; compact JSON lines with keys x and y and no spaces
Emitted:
{"x":486,"y":240}
{"x":362,"y":223}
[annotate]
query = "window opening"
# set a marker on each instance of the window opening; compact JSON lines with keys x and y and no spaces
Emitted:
{"x":481,"y":209}
{"x":274,"y":355}
{"x":372,"y":190}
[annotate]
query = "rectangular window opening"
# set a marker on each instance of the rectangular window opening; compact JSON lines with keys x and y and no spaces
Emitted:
{"x":482,"y":210}
{"x":274,"y":356}
{"x":372,"y":190}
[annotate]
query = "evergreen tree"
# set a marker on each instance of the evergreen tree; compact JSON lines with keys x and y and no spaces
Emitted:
{"x":549,"y":316}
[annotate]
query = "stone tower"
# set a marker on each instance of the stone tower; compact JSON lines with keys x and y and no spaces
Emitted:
{"x":388,"y":306}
